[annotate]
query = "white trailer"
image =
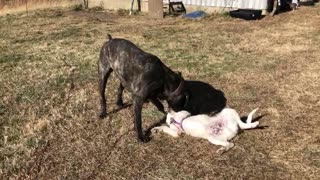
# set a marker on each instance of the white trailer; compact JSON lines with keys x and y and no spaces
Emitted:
{"x":234,"y":4}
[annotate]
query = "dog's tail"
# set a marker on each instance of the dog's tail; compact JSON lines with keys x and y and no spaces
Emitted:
{"x":248,"y":124}
{"x":109,"y":37}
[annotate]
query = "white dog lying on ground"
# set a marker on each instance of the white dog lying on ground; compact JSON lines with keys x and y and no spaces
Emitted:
{"x":218,"y":129}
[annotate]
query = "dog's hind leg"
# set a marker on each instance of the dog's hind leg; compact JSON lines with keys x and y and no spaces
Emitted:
{"x":248,"y":124}
{"x":224,"y":143}
{"x":249,"y":119}
{"x":119,"y":96}
{"x":104,"y":73}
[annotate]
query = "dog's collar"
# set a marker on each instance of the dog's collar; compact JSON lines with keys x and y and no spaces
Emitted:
{"x":179,"y":90}
{"x":178,"y":124}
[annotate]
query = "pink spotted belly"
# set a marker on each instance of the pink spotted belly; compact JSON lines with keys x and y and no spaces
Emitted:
{"x":217,"y":127}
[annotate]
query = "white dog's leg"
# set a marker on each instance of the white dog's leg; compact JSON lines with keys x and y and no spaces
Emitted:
{"x":157,"y":129}
{"x":225,"y":148}
{"x":171,"y":132}
{"x":248,"y":124}
{"x":226,"y":145}
{"x":167,"y":130}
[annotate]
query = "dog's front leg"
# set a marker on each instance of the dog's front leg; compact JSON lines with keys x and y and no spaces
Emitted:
{"x":167,"y":130}
{"x":158,"y":104}
{"x":171,"y":131}
{"x":157,"y":129}
{"x":138,"y":103}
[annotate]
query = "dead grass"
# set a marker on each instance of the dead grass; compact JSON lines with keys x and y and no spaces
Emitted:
{"x":49,"y":101}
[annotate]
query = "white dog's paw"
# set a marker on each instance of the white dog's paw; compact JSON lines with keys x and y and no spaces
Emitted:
{"x":255,"y":124}
{"x":221,"y":150}
{"x":230,"y":145}
{"x":156,"y":130}
{"x":225,"y":148}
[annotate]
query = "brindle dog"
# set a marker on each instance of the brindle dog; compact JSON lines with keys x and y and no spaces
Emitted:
{"x":142,"y":74}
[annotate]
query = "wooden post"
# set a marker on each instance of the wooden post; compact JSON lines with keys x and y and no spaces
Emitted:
{"x":155,"y":8}
{"x":27,"y":7}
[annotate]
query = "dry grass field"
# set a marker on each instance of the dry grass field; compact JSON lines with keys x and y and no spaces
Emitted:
{"x":49,"y":96}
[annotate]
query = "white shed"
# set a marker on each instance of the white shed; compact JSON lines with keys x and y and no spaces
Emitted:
{"x":241,"y":4}
{"x":190,"y":4}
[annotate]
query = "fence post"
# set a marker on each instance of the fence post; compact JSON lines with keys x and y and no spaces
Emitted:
{"x":155,"y":8}
{"x":27,"y":7}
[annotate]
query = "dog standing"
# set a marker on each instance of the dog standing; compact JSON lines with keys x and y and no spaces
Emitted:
{"x":142,"y":74}
{"x":218,"y":129}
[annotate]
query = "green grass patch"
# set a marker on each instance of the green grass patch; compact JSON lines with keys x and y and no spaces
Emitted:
{"x":10,"y":58}
{"x":28,"y":94}
{"x":69,"y":32}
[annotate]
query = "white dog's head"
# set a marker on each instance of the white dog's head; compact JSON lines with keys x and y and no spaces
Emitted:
{"x":176,"y":116}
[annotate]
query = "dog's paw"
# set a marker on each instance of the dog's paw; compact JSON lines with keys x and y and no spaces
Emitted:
{"x":225,"y":148}
{"x":155,"y":130}
{"x":144,"y":139}
{"x":221,"y":150}
{"x":102,"y":115}
{"x":120,"y":103}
